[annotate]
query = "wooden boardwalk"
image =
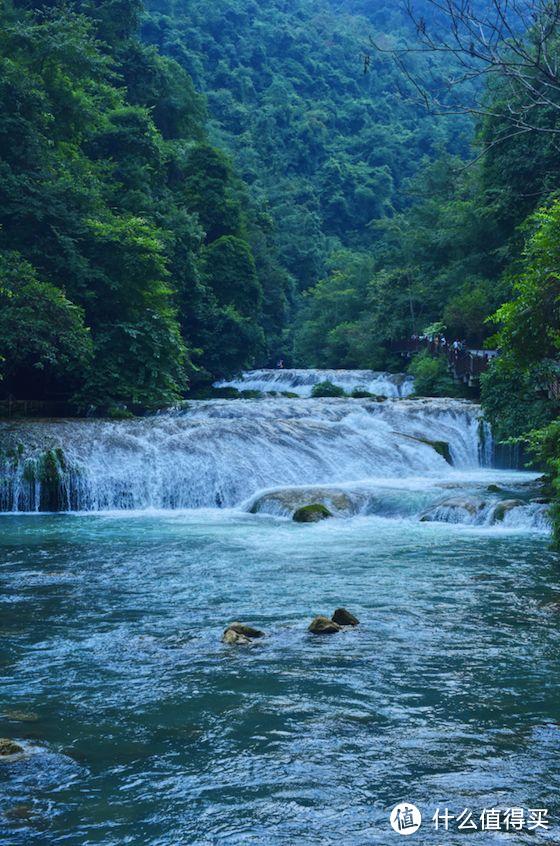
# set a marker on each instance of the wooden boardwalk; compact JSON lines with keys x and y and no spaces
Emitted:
{"x":465,"y":364}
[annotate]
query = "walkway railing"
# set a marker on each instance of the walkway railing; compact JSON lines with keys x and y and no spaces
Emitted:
{"x":465,"y":364}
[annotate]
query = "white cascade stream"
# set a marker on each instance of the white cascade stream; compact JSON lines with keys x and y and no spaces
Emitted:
{"x":272,"y":456}
{"x":302,"y":382}
{"x":219,"y":453}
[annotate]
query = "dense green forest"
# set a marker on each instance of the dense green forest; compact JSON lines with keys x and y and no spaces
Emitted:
{"x":133,"y":260}
{"x":325,"y":146}
{"x":190,"y":189}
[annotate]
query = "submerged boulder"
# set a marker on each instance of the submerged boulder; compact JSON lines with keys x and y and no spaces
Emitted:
{"x":240,"y":634}
{"x":454,"y":510}
{"x":312,"y":513}
{"x":504,"y":507}
{"x":344,"y":618}
{"x":322,"y":625}
{"x":20,"y":716}
{"x":9,"y":747}
{"x":245,"y":630}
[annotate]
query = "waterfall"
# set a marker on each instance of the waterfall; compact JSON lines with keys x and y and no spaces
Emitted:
{"x":222,"y":452}
{"x":301,"y":382}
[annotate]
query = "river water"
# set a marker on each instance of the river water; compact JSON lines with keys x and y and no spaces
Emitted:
{"x":141,"y":727}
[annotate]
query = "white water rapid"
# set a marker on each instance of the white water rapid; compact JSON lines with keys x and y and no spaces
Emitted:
{"x":421,"y":459}
{"x":302,"y":382}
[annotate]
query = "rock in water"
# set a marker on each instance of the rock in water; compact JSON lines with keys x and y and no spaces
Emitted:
{"x":344,"y":618}
{"x":20,"y":716}
{"x":233,"y":638}
{"x":312,"y":513}
{"x":322,"y":625}
{"x":240,"y":634}
{"x":504,"y":507}
{"x":9,"y":747}
{"x":285,"y":501}
{"x":454,"y":510}
{"x":245,"y":630}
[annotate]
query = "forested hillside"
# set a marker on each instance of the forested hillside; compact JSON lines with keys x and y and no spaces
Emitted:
{"x":132,"y":258}
{"x":189,"y":189}
{"x":323,"y":129}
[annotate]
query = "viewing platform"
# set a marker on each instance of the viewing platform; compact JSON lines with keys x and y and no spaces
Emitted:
{"x":465,"y":364}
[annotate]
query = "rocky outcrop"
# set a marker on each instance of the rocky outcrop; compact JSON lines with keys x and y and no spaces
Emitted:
{"x":344,"y":618}
{"x":312,"y":513}
{"x":240,"y":634}
{"x":284,"y":502}
{"x":504,"y":507}
{"x":322,"y":625}
{"x":9,"y":748}
{"x":441,"y":447}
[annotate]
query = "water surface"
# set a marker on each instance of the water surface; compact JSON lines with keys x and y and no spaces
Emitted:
{"x":150,"y":731}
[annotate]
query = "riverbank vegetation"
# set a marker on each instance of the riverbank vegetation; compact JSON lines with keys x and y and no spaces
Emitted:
{"x":132,"y":260}
{"x":187,"y":191}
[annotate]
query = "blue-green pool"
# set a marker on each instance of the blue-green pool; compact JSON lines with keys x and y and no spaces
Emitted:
{"x":143,"y":728}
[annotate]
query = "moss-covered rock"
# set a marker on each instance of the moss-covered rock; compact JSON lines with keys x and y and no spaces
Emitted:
{"x":344,"y":618}
{"x":312,"y":513}
{"x":51,"y":467}
{"x":494,"y":489}
{"x":441,"y":447}
{"x":327,"y":389}
{"x":9,"y":747}
{"x":322,"y":625}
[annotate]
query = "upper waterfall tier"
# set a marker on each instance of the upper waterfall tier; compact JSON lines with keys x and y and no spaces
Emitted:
{"x":301,"y":382}
{"x":219,"y":453}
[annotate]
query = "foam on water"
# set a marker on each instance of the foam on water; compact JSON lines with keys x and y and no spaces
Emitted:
{"x":301,"y":382}
{"x":219,"y":453}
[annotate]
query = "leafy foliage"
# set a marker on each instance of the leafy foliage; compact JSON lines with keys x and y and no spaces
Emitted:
{"x":327,"y":389}
{"x":431,"y":378}
{"x":42,"y":334}
{"x":111,"y":195}
{"x":326,"y":146}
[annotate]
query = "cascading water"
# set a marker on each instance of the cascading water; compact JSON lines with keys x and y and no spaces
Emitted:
{"x":394,"y":458}
{"x":302,"y":382}
{"x":219,"y":453}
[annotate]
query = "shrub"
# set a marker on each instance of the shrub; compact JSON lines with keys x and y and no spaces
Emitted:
{"x":431,"y":378}
{"x":327,"y":389}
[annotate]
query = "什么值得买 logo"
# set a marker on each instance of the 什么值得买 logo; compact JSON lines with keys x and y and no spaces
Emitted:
{"x":406,"y":818}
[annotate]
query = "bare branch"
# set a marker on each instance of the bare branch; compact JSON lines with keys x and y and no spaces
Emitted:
{"x":516,"y":42}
